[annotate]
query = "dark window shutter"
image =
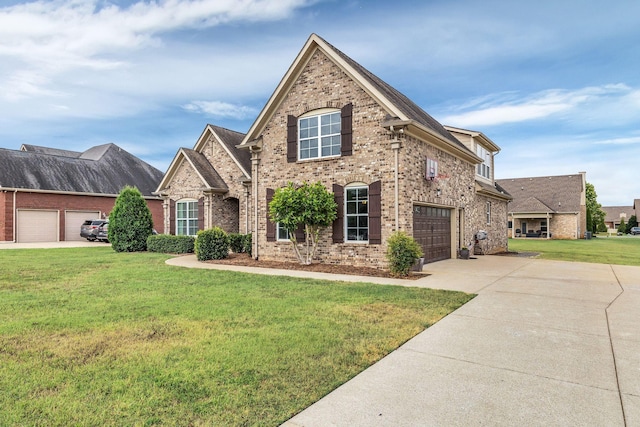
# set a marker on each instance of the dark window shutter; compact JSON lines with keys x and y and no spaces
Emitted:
{"x":201,"y":213}
{"x":292,"y":139}
{"x":271,"y":227}
{"x":172,"y":217}
{"x":338,"y":224}
{"x":346,"y":129}
{"x":375,"y":213}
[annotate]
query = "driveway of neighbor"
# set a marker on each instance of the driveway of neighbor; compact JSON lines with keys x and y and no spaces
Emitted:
{"x":544,"y":343}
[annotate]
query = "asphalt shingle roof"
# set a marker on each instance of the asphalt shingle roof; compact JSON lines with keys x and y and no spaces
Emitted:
{"x":231,"y":139}
{"x":205,"y":169}
{"x":104,"y":169}
{"x":544,"y":194}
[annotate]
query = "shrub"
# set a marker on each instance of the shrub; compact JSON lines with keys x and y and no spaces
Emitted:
{"x":212,"y":244}
{"x":247,"y":244}
{"x":236,"y":242}
{"x":130,"y":222}
{"x":402,"y":253}
{"x":169,"y":244}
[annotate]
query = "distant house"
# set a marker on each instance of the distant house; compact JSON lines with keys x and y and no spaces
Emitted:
{"x":547,"y":206}
{"x":390,"y":165}
{"x":615,"y":214}
{"x":47,"y":193}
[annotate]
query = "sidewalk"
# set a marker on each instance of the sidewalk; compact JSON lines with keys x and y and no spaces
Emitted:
{"x":544,"y":343}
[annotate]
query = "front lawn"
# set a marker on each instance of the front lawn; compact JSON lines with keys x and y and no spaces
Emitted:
{"x":93,"y":337}
{"x":623,"y":250}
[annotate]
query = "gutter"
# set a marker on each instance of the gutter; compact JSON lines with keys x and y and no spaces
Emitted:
{"x":72,"y":193}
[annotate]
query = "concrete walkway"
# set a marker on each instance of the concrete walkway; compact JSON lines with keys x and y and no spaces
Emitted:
{"x":545,"y":343}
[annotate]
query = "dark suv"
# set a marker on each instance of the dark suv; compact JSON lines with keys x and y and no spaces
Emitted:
{"x":635,"y":230}
{"x":89,"y":228}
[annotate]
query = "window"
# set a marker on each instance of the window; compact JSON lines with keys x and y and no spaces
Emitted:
{"x":282,"y":233}
{"x":187,"y":218}
{"x":319,"y":136}
{"x":484,"y":168}
{"x":488,"y":212}
{"x":543,"y":225}
{"x":357,"y":213}
{"x":509,"y":224}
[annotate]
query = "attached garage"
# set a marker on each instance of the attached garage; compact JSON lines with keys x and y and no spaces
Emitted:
{"x":37,"y":226}
{"x":432,"y":231}
{"x":72,"y":222}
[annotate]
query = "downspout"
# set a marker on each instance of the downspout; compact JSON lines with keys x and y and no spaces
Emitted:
{"x":255,"y":161}
{"x":395,"y":145}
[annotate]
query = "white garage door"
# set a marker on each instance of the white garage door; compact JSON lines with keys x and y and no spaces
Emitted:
{"x":37,"y":226}
{"x":72,"y":222}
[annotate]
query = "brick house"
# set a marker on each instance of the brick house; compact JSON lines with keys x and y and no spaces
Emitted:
{"x":547,"y":206}
{"x":390,"y":165}
{"x":615,"y":214}
{"x":46,"y":194}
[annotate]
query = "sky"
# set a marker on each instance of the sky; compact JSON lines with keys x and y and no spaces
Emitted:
{"x":555,"y":84}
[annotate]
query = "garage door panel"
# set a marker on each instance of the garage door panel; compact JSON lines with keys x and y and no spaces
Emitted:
{"x":432,"y":231}
{"x":37,"y":226}
{"x":73,"y":221}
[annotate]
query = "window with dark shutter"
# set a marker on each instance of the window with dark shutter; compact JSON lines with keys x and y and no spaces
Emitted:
{"x":292,"y":139}
{"x":375,"y":213}
{"x":338,"y":224}
{"x":172,"y":216}
{"x":346,"y":129}
{"x":271,"y":227}
{"x":201,"y":213}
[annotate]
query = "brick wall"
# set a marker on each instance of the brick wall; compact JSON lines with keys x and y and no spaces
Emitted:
{"x":564,"y":226}
{"x":62,"y":203}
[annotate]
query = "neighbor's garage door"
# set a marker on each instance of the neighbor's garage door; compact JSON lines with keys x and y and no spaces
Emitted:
{"x":432,"y":230}
{"x":37,"y":226}
{"x":72,"y":222}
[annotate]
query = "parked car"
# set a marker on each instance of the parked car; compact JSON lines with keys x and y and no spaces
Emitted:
{"x":635,"y":230}
{"x":103,"y":232}
{"x":89,"y":228}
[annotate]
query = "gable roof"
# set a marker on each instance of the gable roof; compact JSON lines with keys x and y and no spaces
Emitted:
{"x":104,"y":169}
{"x":614,"y":213}
{"x":544,"y":194}
{"x":207,"y":173}
{"x":400,"y":109}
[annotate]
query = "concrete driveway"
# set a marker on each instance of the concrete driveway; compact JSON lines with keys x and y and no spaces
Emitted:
{"x":545,"y":343}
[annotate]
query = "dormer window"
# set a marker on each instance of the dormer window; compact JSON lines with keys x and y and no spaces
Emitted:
{"x":319,"y":136}
{"x":483,"y":169}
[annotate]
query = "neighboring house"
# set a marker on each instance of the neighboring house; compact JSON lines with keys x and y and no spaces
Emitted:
{"x":614,"y":214}
{"x":547,"y":206}
{"x":390,"y":165}
{"x":46,"y":193}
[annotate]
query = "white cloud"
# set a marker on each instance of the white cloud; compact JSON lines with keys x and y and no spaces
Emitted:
{"x":221,"y":109}
{"x":491,"y":111}
{"x":44,"y":38}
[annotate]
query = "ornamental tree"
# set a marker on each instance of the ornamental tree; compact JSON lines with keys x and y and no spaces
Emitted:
{"x":130,"y":222}
{"x":308,"y":206}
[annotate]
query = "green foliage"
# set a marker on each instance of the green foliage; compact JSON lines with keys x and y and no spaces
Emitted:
{"x":247,"y":243}
{"x":622,"y":228}
{"x":169,"y":244}
{"x":237,"y":242}
{"x":602,"y":227}
{"x":130,"y":222}
{"x":212,"y":244}
{"x":633,"y":222}
{"x":594,"y":209}
{"x":308,"y":205}
{"x":402,"y":253}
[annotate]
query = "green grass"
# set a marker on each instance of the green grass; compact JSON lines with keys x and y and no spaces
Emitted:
{"x":624,"y":250}
{"x":94,"y":337}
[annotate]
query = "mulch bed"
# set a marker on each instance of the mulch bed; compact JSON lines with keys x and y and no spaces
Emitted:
{"x":246,"y":260}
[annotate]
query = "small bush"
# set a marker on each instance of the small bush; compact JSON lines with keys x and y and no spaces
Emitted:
{"x":247,"y":244}
{"x":236,"y":242}
{"x":402,"y":253}
{"x":169,"y":244}
{"x":212,"y":244}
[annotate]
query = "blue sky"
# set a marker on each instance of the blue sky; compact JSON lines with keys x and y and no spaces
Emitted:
{"x":556,"y":84}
